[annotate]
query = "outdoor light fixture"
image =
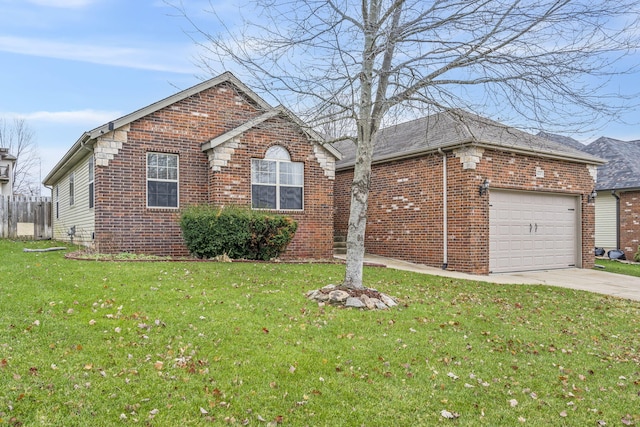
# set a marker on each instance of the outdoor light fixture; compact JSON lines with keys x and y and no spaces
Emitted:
{"x":592,"y":197}
{"x":484,"y":187}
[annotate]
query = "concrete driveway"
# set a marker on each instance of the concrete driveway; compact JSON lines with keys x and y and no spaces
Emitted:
{"x":575,"y":278}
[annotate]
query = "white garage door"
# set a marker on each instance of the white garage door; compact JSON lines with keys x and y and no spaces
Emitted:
{"x":532,"y":231}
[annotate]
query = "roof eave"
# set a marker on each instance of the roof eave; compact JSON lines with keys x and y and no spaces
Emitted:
{"x":163,"y":103}
{"x":68,"y":160}
{"x":279,"y":110}
{"x":64,"y":164}
{"x":423,"y":151}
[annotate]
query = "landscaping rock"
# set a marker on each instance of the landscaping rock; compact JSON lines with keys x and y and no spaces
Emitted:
{"x":368,"y":302}
{"x":381,"y":306}
{"x":365,"y":298}
{"x":354,"y":302}
{"x":338,"y":296}
{"x":387,"y":300}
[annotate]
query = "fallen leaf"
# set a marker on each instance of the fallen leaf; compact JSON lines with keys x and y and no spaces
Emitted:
{"x":563,"y":414}
{"x":449,"y":415}
{"x":513,"y":403}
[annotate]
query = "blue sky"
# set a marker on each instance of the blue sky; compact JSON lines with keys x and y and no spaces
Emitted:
{"x":68,"y":66}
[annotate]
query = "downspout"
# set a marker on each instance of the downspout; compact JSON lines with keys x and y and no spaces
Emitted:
{"x":445,"y":226}
{"x":613,"y":193}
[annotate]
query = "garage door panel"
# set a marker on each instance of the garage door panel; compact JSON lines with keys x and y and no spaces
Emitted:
{"x":532,"y":231}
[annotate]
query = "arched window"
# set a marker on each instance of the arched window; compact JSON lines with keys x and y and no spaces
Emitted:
{"x":276,"y":181}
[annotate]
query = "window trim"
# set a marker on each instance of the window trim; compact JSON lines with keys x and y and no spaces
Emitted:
{"x":281,"y":155}
{"x":91,"y":182}
{"x":57,"y":198}
{"x":177,"y":180}
{"x":72,"y":189}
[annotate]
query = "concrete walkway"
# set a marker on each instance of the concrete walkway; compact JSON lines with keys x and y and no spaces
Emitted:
{"x":596,"y":281}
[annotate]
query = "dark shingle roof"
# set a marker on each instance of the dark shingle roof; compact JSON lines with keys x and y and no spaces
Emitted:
{"x":622,"y":170}
{"x":457,"y":128}
{"x":563,"y":140}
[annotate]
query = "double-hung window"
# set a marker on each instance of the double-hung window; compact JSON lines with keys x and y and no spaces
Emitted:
{"x":162,"y":180}
{"x":276,"y":181}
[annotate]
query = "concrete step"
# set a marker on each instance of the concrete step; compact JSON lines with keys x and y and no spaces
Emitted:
{"x":339,"y":245}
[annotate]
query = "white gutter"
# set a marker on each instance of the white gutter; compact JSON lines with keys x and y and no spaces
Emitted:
{"x":445,"y":225}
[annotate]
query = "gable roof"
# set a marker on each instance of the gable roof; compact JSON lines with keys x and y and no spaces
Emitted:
{"x":622,"y":170}
{"x":457,"y":128}
{"x":76,"y":152}
{"x":277,"y":111}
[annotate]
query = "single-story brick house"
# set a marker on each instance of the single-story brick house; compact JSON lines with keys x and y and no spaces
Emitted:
{"x":121,"y":186}
{"x":458,"y":191}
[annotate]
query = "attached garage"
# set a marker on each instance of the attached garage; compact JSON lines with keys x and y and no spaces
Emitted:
{"x":533,"y":231}
{"x":462,"y":192}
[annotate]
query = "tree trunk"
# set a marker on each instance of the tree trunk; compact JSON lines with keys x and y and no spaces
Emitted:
{"x":358,"y":214}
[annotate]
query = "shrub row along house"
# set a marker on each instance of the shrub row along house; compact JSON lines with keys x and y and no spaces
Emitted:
{"x":451,"y":190}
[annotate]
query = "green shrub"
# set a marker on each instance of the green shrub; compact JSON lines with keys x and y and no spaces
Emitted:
{"x":241,"y":233}
{"x":636,"y":256}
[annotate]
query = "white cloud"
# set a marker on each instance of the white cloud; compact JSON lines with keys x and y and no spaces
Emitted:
{"x":63,"y":4}
{"x":163,"y":58}
{"x":87,"y":117}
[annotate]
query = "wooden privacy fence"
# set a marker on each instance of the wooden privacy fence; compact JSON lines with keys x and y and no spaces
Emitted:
{"x":25,"y":217}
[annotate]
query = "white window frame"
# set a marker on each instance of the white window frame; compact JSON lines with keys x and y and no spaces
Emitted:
{"x":92,"y":188}
{"x":166,"y":178}
{"x":279,"y":156}
{"x":72,"y":189}
{"x":57,"y":197}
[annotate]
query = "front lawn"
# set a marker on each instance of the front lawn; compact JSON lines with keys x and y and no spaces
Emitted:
{"x":88,"y":343}
{"x":611,"y":266}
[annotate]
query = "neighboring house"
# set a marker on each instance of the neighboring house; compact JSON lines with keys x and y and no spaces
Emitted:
{"x":458,"y":191}
{"x":618,"y":201}
{"x":618,"y":188}
{"x":7,"y":163}
{"x":121,"y":186}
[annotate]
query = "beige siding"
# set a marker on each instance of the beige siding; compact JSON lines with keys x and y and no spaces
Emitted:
{"x":79,"y":214}
{"x":606,"y":221}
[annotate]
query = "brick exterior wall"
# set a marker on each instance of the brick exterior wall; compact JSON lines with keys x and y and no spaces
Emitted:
{"x":405,"y":217}
{"x":629,"y":222}
{"x":125,"y":224}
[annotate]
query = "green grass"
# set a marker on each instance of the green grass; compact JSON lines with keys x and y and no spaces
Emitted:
{"x":619,"y":267}
{"x":86,"y":343}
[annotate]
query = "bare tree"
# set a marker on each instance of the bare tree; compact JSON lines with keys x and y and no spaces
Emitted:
{"x":19,"y":138}
{"x":546,"y":63}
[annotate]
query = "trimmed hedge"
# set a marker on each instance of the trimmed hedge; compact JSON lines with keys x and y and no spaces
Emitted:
{"x":240,"y":233}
